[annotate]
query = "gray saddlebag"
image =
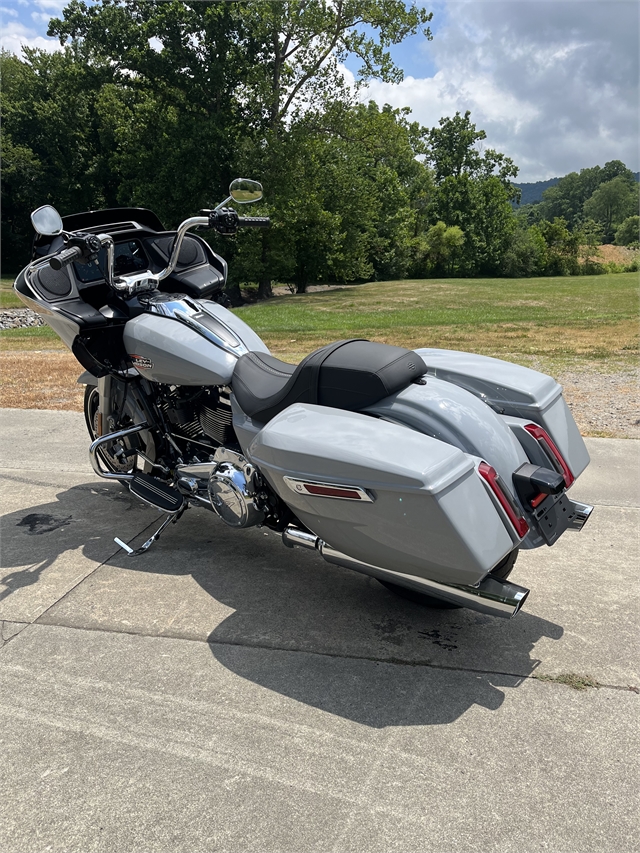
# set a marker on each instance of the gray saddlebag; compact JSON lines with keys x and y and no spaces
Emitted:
{"x":516,"y":392}
{"x":424,"y":508}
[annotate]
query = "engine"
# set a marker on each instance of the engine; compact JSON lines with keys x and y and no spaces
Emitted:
{"x":233,"y":488}
{"x":200,"y":416}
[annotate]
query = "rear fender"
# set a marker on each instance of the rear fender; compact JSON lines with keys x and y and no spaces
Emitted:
{"x":457,"y":417}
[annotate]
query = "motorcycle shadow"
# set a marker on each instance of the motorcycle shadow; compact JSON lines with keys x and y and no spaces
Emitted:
{"x":324,"y":636}
{"x":338,"y":641}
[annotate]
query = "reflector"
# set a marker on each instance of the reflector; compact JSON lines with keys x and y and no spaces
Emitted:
{"x":490,"y":475}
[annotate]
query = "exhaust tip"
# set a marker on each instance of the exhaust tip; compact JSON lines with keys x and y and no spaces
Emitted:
{"x":582,"y":514}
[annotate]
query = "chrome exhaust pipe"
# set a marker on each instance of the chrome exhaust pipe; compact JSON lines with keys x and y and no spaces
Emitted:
{"x":582,"y":514}
{"x":492,"y":595}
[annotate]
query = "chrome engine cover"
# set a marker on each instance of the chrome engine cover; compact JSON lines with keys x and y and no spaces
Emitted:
{"x":231,"y":491}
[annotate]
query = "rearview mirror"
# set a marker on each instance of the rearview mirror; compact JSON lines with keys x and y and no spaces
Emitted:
{"x":47,"y":221}
{"x":244,"y":191}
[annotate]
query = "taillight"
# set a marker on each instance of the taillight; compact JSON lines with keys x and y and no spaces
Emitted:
{"x":491,"y":477}
{"x":542,"y":436}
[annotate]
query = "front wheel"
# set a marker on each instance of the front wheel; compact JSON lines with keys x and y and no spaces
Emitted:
{"x":111,"y":454}
{"x":501,"y":571}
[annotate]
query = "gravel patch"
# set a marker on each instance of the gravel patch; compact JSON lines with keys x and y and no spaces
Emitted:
{"x":604,"y":403}
{"x":19,"y":318}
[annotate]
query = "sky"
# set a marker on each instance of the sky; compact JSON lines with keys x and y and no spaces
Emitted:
{"x":554,"y":83}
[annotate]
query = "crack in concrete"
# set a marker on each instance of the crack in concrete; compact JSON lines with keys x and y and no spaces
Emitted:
{"x":92,"y":572}
{"x":393,"y":661}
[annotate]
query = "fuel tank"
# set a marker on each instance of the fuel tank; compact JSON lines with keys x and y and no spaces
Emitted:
{"x":184,"y":341}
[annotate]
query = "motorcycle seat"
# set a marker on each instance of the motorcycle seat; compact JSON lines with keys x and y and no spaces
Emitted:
{"x":351,"y":374}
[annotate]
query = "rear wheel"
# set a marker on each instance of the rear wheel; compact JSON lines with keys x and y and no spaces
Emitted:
{"x":501,"y":571}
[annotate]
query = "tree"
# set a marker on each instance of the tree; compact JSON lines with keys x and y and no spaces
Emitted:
{"x":52,"y":150}
{"x":567,"y":198}
{"x":441,"y":245}
{"x":473,"y":191}
{"x":526,"y":254}
{"x":562,"y":247}
{"x":611,"y":203}
{"x":344,"y":189}
{"x":590,"y":237}
{"x":191,"y":105}
{"x":266,"y":61}
{"x":627,"y":232}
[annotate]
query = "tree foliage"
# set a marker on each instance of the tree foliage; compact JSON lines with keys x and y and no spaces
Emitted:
{"x":160,"y":103}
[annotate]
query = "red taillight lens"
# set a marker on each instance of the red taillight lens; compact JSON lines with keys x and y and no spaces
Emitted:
{"x":547,"y":442}
{"x":490,"y":476}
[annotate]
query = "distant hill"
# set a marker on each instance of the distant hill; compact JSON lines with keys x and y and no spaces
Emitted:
{"x":531,"y":193}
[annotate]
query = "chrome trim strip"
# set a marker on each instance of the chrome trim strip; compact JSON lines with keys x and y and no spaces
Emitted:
{"x":299,"y":487}
{"x":184,"y":317}
{"x":184,"y":310}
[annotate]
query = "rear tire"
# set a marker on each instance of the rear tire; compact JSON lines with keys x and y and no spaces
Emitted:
{"x":501,"y":571}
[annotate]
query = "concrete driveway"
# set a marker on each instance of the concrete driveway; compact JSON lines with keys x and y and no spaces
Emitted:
{"x":224,"y":693}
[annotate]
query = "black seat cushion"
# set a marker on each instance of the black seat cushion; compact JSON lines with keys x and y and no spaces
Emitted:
{"x":349,"y":375}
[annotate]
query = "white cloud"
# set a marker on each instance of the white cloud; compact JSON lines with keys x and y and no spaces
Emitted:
{"x":554,"y":84}
{"x":15,"y":36}
{"x":51,"y":5}
{"x":41,"y":17}
{"x":4,"y":10}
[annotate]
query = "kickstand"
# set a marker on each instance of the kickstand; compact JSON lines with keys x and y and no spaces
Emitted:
{"x":134,"y":553}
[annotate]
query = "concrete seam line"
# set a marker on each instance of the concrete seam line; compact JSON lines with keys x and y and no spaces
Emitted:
{"x":390,"y":661}
{"x":4,"y":622}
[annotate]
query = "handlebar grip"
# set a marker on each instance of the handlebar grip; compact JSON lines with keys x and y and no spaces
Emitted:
{"x":66,"y":257}
{"x":254,"y":221}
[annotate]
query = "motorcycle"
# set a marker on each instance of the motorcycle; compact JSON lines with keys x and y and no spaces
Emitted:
{"x":428,"y":470}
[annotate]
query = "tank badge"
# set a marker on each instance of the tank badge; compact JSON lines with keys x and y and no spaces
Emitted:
{"x":141,"y":362}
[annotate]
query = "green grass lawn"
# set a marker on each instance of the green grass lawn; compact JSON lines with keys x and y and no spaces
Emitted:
{"x":593,"y":317}
{"x":8,"y":299}
{"x":550,"y":323}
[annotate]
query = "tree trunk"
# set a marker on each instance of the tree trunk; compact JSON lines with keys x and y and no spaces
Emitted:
{"x":301,"y":287}
{"x":264,"y":289}
{"x":233,"y":292}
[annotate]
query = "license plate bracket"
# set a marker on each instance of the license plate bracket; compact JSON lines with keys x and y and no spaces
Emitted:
{"x":554,"y":517}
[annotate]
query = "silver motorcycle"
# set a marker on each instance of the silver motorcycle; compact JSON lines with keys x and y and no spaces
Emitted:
{"x":427,"y":470}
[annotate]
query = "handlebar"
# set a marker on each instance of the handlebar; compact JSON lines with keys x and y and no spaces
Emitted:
{"x":65,"y":257}
{"x":224,"y":220}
